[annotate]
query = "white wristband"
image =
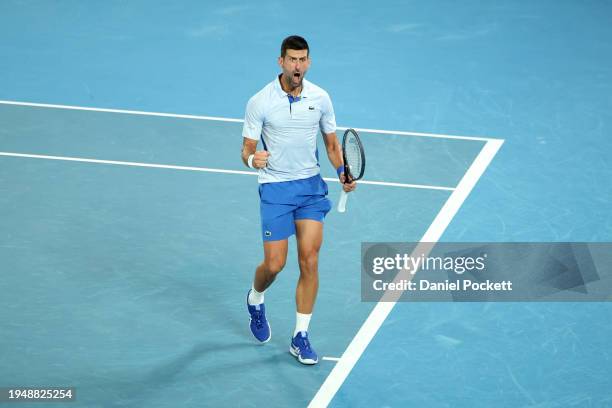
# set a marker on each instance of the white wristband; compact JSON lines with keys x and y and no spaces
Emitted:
{"x":250,"y":161}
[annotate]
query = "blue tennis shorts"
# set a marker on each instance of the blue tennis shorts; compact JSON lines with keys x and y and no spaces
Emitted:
{"x":285,"y":202}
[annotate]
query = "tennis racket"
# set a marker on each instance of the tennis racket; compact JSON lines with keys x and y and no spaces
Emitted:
{"x":354,"y":162}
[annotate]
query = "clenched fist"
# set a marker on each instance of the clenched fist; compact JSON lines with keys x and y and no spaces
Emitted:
{"x":260,"y":159}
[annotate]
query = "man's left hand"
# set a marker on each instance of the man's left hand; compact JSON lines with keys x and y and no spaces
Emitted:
{"x":348,"y":187}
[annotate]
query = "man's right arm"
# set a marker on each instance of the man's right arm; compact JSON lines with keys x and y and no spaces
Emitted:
{"x":253,"y":123}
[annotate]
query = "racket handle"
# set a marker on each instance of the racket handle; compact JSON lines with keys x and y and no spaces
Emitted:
{"x":342,"y":202}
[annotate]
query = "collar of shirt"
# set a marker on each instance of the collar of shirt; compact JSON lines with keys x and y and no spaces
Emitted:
{"x":281,"y":93}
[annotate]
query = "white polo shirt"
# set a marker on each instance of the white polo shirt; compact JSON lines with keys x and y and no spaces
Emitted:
{"x":289,"y":130}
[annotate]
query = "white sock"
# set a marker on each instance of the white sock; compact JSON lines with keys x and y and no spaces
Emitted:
{"x":255,"y":297}
{"x":301,"y":322}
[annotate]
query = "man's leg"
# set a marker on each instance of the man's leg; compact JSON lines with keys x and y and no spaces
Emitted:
{"x":275,"y":255}
{"x":309,"y":234}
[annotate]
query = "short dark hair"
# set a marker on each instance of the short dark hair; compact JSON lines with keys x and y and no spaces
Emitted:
{"x":294,"y":42}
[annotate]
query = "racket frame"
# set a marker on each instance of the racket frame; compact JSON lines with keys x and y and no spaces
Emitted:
{"x":348,"y":175}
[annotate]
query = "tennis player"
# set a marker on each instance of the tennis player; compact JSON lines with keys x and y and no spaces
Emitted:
{"x":286,"y":116}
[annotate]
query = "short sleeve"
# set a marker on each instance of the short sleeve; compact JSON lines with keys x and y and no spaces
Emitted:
{"x":253,"y":120}
{"x":327,"y":123}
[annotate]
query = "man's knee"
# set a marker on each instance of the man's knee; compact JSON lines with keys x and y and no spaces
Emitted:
{"x":275,"y":264}
{"x":308,"y":261}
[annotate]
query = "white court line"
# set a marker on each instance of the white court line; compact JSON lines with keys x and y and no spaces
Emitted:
{"x":203,"y":169}
{"x":129,"y":112}
{"x":124,"y":163}
{"x":353,"y":352}
{"x":331,"y":358}
{"x":433,"y":135}
{"x":221,"y":119}
{"x":385,"y":183}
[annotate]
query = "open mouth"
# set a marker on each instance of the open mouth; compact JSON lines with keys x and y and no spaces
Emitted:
{"x":297,"y":75}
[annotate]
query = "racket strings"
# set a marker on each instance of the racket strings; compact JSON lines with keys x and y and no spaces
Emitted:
{"x":353,"y":156}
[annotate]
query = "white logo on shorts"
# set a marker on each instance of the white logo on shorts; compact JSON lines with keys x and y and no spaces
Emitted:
{"x":268,"y":233}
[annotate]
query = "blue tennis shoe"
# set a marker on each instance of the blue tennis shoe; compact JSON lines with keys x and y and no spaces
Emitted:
{"x":301,"y":349}
{"x":259,"y":324}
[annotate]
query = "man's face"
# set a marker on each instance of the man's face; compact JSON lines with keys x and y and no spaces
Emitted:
{"x":294,"y":64}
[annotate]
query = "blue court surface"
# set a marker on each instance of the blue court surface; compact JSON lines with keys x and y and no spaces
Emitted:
{"x":129,"y":227}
